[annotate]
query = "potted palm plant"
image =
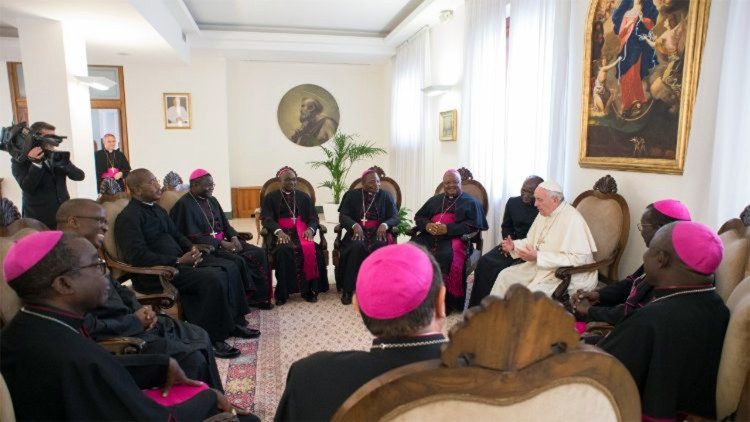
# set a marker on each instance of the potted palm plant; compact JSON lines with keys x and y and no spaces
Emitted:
{"x":344,"y":151}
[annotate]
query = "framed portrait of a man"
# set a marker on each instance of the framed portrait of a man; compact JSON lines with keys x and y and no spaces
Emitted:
{"x":308,"y":115}
{"x":640,"y":78}
{"x":177,"y":111}
{"x":447,"y":126}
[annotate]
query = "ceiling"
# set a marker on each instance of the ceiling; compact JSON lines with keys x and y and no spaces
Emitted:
{"x":318,"y":31}
{"x":337,"y":17}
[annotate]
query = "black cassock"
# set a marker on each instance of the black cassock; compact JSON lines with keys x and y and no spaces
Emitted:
{"x":380,"y":209}
{"x":187,"y":343}
{"x":672,"y":348}
{"x":288,"y":259}
{"x":105,"y":160}
{"x":212,"y":293}
{"x":197,"y":218}
{"x":462,"y":215}
{"x":317,"y":385}
{"x":55,"y":373}
{"x":517,"y":220}
{"x":620,"y":298}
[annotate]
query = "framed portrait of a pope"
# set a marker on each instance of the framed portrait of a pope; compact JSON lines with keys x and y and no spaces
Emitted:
{"x":640,"y":77}
{"x":177,"y":111}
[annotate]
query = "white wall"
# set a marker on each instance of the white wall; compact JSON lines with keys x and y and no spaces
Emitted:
{"x":640,"y":189}
{"x":11,"y":190}
{"x":182,"y":150}
{"x":258,"y":148}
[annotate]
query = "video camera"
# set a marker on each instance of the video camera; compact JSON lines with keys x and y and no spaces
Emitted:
{"x":18,"y":140}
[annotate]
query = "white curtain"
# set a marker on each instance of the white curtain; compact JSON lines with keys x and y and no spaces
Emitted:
{"x":513,"y":110}
{"x":537,"y":76}
{"x":481,"y":131}
{"x":407,"y":154}
{"x":730,"y":190}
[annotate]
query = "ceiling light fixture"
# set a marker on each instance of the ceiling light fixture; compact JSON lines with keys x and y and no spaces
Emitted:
{"x":99,"y":83}
{"x":446,"y":15}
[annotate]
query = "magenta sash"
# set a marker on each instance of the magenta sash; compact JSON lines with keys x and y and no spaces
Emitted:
{"x":374,"y":224}
{"x":110,"y":173}
{"x":219,"y":236}
{"x":177,"y":394}
{"x":309,"y":257}
{"x":454,"y":279}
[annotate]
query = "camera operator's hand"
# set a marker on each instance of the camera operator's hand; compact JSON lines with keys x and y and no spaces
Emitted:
{"x":36,"y":155}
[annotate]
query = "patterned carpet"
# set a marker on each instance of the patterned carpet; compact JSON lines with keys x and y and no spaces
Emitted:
{"x":256,"y":379}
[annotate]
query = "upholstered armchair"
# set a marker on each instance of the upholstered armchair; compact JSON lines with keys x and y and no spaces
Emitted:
{"x":733,"y":380}
{"x":607,"y":214}
{"x":516,"y":358}
{"x":735,"y":266}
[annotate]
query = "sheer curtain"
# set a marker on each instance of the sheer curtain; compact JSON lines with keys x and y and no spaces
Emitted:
{"x":537,"y":76}
{"x":408,"y":152}
{"x":513,"y":110}
{"x":730,"y":191}
{"x":481,"y":132}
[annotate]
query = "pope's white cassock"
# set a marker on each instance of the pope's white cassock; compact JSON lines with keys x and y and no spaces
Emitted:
{"x":562,"y":239}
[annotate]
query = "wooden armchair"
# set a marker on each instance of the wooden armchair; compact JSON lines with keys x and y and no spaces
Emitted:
{"x":607,"y":214}
{"x":516,"y":358}
{"x":477,"y":190}
{"x":735,"y":266}
{"x":122,"y":271}
{"x":386,"y":184}
{"x":272,"y":185}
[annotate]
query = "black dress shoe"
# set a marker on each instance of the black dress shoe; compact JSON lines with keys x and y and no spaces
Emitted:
{"x":225,"y":351}
{"x":312,"y":298}
{"x":266,"y":306}
{"x":346,"y":298}
{"x":280,"y":302}
{"x":244,"y":332}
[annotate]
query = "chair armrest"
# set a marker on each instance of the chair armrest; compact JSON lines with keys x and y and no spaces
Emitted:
{"x":123,"y":345}
{"x":160,"y":300}
{"x":323,"y":229}
{"x":337,"y":229}
{"x":565,"y":272}
{"x":246,"y":236}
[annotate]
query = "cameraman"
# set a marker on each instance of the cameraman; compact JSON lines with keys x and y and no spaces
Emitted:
{"x":42,"y":178}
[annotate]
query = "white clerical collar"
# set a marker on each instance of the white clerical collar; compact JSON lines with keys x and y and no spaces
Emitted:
{"x":150,"y":204}
{"x":559,"y":208}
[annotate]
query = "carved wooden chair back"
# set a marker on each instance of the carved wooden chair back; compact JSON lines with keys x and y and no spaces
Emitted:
{"x":516,"y":358}
{"x":386,"y":183}
{"x":470,"y":186}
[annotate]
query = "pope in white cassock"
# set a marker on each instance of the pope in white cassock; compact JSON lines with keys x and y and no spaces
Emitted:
{"x":559,"y":237}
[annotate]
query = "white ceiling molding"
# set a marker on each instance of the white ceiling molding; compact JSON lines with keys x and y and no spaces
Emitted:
{"x":426,"y":14}
{"x":162,"y":19}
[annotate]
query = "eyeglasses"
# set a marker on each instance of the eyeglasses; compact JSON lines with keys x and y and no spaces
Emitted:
{"x":641,"y":226}
{"x":101,"y":220}
{"x":100,"y":264}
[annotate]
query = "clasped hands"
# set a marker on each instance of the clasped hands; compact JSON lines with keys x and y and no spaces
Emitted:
{"x":581,"y":301}
{"x":232,"y":246}
{"x":192,"y":257}
{"x":527,"y":254}
{"x":436,"y":229}
{"x":146,"y":316}
{"x":359,"y":234}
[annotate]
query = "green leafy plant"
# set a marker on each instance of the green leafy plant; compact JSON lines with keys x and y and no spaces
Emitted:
{"x":404,"y":223}
{"x":340,"y":156}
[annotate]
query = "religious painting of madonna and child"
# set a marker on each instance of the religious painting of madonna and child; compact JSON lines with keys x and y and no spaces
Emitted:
{"x":641,"y":65}
{"x":308,"y":115}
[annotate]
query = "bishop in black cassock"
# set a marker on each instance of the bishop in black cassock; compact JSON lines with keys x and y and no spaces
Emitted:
{"x":211,"y":289}
{"x":52,"y":370}
{"x":110,"y":162}
{"x":290,"y":216}
{"x":199,"y":216}
{"x":407,"y":326}
{"x":366,"y":214}
{"x":672,"y":345}
{"x":441,"y":222}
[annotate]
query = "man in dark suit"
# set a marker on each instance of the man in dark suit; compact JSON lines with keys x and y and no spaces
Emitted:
{"x":42,"y":178}
{"x":401,"y":299}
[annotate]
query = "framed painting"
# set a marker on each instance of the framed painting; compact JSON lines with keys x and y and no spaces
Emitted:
{"x":447,"y":127}
{"x":640,"y":77}
{"x":178,"y":112}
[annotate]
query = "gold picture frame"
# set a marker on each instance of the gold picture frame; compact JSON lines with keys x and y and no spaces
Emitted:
{"x":178,"y":110}
{"x":640,"y":79}
{"x":448,"y":130}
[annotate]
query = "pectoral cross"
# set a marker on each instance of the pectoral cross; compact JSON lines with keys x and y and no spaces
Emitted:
{"x":213,"y":233}
{"x":364,"y":221}
{"x":294,"y":220}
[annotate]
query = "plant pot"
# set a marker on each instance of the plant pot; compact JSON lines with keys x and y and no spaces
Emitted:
{"x":331,"y":213}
